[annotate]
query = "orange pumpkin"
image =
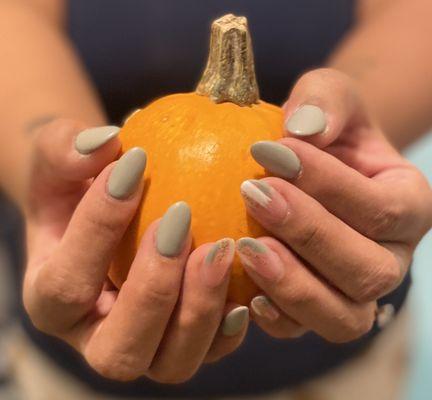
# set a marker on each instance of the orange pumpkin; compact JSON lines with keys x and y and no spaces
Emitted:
{"x":198,"y":147}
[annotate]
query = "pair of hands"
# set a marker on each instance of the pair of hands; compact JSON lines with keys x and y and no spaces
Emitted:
{"x":346,"y":212}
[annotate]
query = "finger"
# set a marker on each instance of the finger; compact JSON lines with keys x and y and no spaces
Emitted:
{"x":198,"y":313}
{"x":231,"y":332}
{"x":322,"y":104}
{"x":65,"y":287}
{"x":301,"y":294}
{"x":60,"y":172}
{"x":358,"y":266}
{"x":382,"y":209}
{"x":124,"y":344}
{"x":270,"y":318}
{"x":68,"y":151}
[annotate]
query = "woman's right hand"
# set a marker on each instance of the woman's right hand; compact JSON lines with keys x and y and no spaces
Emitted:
{"x":170,"y":315}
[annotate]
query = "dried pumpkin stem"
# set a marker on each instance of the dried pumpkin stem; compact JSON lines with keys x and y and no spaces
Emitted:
{"x":230,"y":72}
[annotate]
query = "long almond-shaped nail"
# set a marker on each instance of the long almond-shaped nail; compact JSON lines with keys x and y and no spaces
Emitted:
{"x":276,"y":158}
{"x":259,"y":258}
{"x":306,"y":121}
{"x":263,"y":307}
{"x":91,"y":139}
{"x":127,"y":173}
{"x":235,"y":321}
{"x":217,"y":262}
{"x":264,"y":201}
{"x":173,"y":230}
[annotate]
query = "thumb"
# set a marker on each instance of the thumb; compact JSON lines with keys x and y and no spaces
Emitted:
{"x":66,"y":155}
{"x":323,"y":105}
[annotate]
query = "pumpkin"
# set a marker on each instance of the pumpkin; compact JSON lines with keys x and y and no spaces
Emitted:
{"x":198,"y":147}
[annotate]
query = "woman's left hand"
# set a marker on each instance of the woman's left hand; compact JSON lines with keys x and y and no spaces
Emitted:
{"x":347,"y":209}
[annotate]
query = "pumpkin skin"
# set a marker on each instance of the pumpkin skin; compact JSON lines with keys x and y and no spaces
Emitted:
{"x":199,"y":152}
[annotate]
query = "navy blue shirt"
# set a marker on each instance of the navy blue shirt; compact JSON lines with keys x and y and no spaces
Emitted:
{"x":136,"y":50}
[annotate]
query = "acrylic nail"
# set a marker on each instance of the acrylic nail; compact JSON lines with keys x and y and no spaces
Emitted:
{"x":306,"y":121}
{"x":256,"y":192}
{"x":92,"y":139}
{"x":235,"y":321}
{"x":127,"y":173}
{"x":264,"y":202}
{"x":173,"y":230}
{"x":260,"y":259}
{"x":276,"y":158}
{"x":217,"y":262}
{"x":263,"y":307}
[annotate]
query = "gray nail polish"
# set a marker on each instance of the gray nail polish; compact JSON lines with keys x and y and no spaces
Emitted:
{"x":220,"y":245}
{"x":263,"y":186}
{"x":255,"y":245}
{"x":173,"y":229}
{"x":307,"y":120}
{"x":276,"y":158}
{"x":235,"y":321}
{"x":127,"y":173}
{"x":91,"y":139}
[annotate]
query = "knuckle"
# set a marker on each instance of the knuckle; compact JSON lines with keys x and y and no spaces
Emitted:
{"x":107,"y":222}
{"x":380,"y":281}
{"x":308,"y":238}
{"x":299,"y":296}
{"x":113,"y":366}
{"x":352,"y":328}
{"x":387,"y":221}
{"x":198,"y":314}
{"x":152,"y":295}
{"x":58,"y":289}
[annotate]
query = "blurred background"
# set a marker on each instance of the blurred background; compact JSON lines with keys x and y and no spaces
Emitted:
{"x":307,"y":25}
{"x":419,"y":384}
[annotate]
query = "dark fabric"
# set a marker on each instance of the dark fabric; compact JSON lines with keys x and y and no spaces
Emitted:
{"x":136,"y":50}
{"x":260,"y":365}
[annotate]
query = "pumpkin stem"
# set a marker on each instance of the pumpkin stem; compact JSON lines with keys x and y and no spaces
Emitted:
{"x":230,"y":72}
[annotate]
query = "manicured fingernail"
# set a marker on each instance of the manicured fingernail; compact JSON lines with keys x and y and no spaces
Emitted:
{"x":257,"y":191}
{"x":263,"y":307}
{"x":127,"y":173}
{"x":218,"y":261}
{"x":276,"y":158}
{"x":235,"y":321}
{"x":306,"y":120}
{"x":263,"y":200}
{"x":91,"y":139}
{"x":259,"y":258}
{"x":173,"y":230}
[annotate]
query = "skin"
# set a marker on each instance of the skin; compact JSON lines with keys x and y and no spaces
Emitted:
{"x":65,"y":288}
{"x":73,"y":227}
{"x":356,"y":257}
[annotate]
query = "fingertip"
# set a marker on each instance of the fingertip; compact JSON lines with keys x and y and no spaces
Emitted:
{"x":127,"y":173}
{"x":174,"y":230}
{"x":67,"y":150}
{"x":235,"y":321}
{"x":263,"y":308}
{"x":306,"y":120}
{"x":91,"y":139}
